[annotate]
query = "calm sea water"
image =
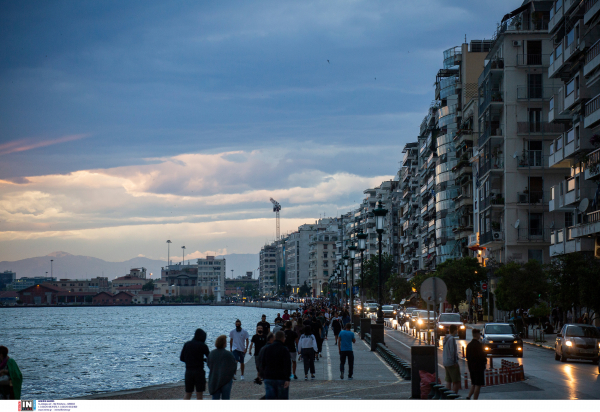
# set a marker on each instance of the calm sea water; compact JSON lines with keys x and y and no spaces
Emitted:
{"x":68,"y":352}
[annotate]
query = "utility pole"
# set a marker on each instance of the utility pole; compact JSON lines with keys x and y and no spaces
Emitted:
{"x":168,"y":253}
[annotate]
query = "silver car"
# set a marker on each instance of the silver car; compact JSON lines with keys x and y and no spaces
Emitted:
{"x":388,"y":311}
{"x":577,"y":341}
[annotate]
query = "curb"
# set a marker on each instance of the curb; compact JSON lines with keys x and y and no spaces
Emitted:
{"x":539,"y":345}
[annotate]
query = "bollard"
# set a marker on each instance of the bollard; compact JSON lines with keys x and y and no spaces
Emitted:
{"x":522,"y":373}
{"x":466,"y":381}
{"x":487,"y":377}
{"x":495,"y":377}
{"x":491,"y":363}
{"x":463,"y":352}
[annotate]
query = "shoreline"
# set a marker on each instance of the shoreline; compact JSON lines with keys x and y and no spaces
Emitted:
{"x":266,"y":305}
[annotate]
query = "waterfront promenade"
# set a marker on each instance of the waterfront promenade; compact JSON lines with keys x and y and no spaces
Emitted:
{"x":373,"y":379}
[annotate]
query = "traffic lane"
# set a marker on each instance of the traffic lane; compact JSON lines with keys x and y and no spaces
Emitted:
{"x":573,"y":377}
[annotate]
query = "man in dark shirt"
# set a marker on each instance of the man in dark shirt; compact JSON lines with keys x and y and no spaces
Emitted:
{"x":258,"y":342}
{"x":276,"y":368}
{"x":265,"y":325}
{"x":291,"y":339}
{"x":477,"y":362}
{"x":193,"y":354}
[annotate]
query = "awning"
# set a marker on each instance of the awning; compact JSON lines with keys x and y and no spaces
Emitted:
{"x":515,"y":12}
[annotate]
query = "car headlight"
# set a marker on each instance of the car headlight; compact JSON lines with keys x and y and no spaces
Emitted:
{"x":569,"y":343}
{"x":519,"y":348}
{"x":491,"y":341}
{"x":487,"y":348}
{"x":394,"y":312}
{"x":420,"y":321}
{"x":462,"y":326}
{"x":441,"y":327}
{"x":516,"y":341}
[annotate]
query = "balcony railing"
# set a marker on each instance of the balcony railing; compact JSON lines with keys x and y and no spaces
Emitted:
{"x":491,"y":65}
{"x":533,"y":60}
{"x":540,"y":127}
{"x":491,"y":96}
{"x":535,"y":92}
{"x":531,"y":158}
{"x":533,"y":197}
{"x":592,"y":106}
{"x":534,"y":234}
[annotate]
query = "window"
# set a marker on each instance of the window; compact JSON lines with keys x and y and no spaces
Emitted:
{"x":570,"y":88}
{"x":568,"y":219}
{"x":534,"y":86}
{"x":536,"y":254}
{"x":535,"y":120}
{"x":536,"y":224}
{"x":325,"y":246}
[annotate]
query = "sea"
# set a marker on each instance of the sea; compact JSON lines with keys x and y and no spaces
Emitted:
{"x":66,"y":352}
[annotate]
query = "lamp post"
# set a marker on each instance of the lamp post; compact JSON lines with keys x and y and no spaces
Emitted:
{"x":362,"y":246}
{"x":320,"y":289}
{"x":352,"y":250}
{"x":51,"y":272}
{"x":182,"y":255}
{"x":310,"y":288}
{"x":168,"y":252}
{"x":379,"y":213}
{"x":346,"y":262}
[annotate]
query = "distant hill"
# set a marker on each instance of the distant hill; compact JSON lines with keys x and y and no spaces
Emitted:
{"x":68,"y":266}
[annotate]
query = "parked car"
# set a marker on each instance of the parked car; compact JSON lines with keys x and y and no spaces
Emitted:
{"x":577,"y":341}
{"x":445,"y":320}
{"x":388,"y":311}
{"x":423,"y":319}
{"x":502,"y":339}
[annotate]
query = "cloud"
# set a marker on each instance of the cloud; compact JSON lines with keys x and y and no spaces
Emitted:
{"x":201,"y":255}
{"x":22,"y":145}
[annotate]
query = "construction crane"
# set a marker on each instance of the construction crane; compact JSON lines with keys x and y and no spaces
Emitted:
{"x":276,"y":209}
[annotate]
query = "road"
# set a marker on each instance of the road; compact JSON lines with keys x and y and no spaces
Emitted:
{"x":546,"y":378}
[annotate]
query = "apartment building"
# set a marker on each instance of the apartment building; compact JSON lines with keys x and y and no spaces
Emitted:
{"x":296,"y":256}
{"x":408,"y":211}
{"x":513,"y":177}
{"x":575,"y":62}
{"x":205,"y":277}
{"x":268,"y":270}
{"x":322,"y":259}
{"x":97,"y":284}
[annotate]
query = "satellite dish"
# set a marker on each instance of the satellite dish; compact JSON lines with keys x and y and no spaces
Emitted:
{"x":583,"y":205}
{"x":517,"y":224}
{"x":515,"y":155}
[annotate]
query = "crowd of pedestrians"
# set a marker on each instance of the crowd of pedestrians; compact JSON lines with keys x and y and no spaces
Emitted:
{"x":277,"y":348}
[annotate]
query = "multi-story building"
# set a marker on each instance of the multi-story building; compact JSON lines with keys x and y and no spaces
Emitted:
{"x":98,"y":284}
{"x":7,"y":277}
{"x":575,"y":61}
{"x":322,"y":259}
{"x":268,"y":270}
{"x":25,"y":282}
{"x":296,"y":248}
{"x":409,"y":211}
{"x":514,"y":180}
{"x":205,"y":277}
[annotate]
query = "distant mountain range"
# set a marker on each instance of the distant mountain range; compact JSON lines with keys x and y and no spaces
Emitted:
{"x":68,"y":266}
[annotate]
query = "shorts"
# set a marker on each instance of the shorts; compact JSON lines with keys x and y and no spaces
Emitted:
{"x":477,"y":377}
{"x":239,"y":356}
{"x":453,"y":373}
{"x":293,"y":356}
{"x":195,"y":378}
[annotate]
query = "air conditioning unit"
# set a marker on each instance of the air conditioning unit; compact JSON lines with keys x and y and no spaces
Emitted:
{"x":516,"y":43}
{"x":523,"y":198}
{"x":497,"y":235}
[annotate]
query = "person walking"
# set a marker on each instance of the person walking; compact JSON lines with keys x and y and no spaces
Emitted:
{"x":238,"y":344}
{"x":264,"y":324}
{"x":477,"y":362}
{"x":346,"y":318}
{"x":193,"y":354}
{"x":307,"y":346}
{"x":276,"y":368}
{"x":259,"y":340}
{"x":9,"y":368}
{"x":222,"y":367}
{"x":450,"y":356}
{"x":316,"y":327}
{"x":345,"y":341}
{"x":336,"y":326}
{"x":291,"y":339}
{"x":285,"y":316}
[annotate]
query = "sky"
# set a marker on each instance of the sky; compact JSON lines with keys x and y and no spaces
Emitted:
{"x":124,"y":124}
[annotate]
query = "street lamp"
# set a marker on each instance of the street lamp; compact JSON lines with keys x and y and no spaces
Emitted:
{"x":379,"y":213}
{"x":346,"y":262}
{"x":352,"y":250}
{"x":362,"y":246}
{"x":51,"y":272}
{"x":182,"y":255}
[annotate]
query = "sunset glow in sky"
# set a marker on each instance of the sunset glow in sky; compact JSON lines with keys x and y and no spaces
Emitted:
{"x":124,"y":124}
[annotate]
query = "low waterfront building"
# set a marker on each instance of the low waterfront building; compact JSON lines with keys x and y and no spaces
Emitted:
{"x":95,"y":285}
{"x":8,"y":298}
{"x":105,"y":298}
{"x":126,"y":281}
{"x":41,"y":294}
{"x":68,"y":297}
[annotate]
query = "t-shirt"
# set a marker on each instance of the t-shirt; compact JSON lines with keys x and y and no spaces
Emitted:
{"x":286,"y":316}
{"x":265,"y":325}
{"x":239,"y":339}
{"x":290,"y":340}
{"x":259,"y":342}
{"x":345,"y":338}
{"x":276,"y":329}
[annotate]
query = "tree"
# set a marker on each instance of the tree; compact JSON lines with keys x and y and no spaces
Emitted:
{"x":590,"y":285}
{"x":211,"y":298}
{"x":304,"y":290}
{"x":205,"y":297}
{"x":371,"y":274}
{"x":325,"y":289}
{"x":460,"y":275}
{"x":400,"y":287}
{"x":149,"y":285}
{"x":520,"y":286}
{"x":564,"y":273}
{"x":250,"y":290}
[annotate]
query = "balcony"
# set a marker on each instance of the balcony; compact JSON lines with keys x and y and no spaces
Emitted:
{"x":492,"y":97}
{"x":592,"y":7}
{"x":556,"y":108}
{"x":561,"y":242}
{"x":591,"y":227}
{"x":593,"y":165}
{"x":531,"y":158}
{"x":537,"y":93}
{"x":495,"y":164}
{"x":537,"y":234}
{"x":592,"y":114}
{"x":473,"y":240}
{"x":489,"y":132}
{"x":537,"y":60}
{"x":533,"y":197}
{"x":592,"y":59}
{"x":561,"y":149}
{"x":496,"y":64}
{"x":539,"y":128}
{"x":556,"y":60}
{"x":491,"y":236}
{"x":555,"y":16}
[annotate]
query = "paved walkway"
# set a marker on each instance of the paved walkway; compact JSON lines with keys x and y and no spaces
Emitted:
{"x":373,"y":379}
